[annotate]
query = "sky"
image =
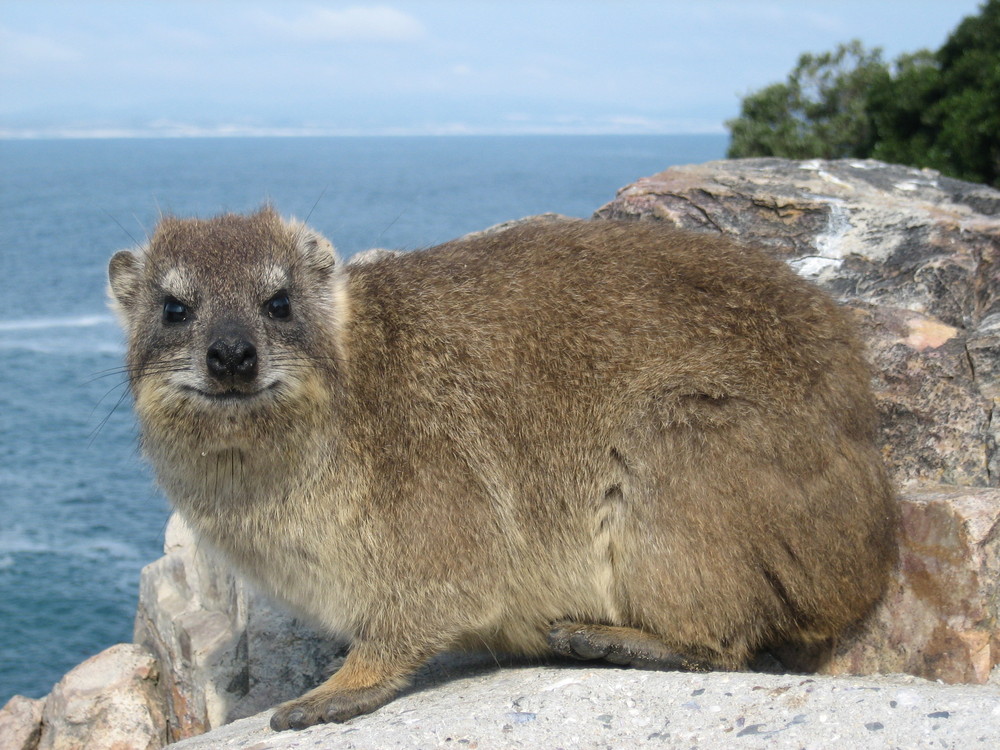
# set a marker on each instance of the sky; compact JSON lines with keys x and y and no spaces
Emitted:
{"x":220,"y":67}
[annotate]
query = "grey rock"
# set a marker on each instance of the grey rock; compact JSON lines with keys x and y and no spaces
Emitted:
{"x":576,"y":707}
{"x":983,"y":346}
{"x":935,"y":421}
{"x":874,"y":232}
{"x":111,"y":701}
{"x":21,"y":723}
{"x":227,"y":651}
{"x":984,"y":353}
{"x":191,"y":615}
{"x":503,"y":226}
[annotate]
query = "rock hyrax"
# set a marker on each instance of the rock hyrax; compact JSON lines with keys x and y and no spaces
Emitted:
{"x":607,"y":440}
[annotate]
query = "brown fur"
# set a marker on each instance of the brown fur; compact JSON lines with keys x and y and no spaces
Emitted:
{"x":551,"y":428}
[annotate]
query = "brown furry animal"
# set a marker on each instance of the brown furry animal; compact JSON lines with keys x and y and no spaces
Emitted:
{"x":611,"y":440}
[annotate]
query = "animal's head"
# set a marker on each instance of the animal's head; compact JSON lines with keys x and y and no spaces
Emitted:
{"x":224,"y":318}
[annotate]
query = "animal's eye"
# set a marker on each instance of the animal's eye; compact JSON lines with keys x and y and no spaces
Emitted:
{"x":174,"y":311}
{"x":279,"y":306}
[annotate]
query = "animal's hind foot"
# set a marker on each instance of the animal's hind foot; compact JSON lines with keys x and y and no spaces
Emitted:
{"x":619,"y":645}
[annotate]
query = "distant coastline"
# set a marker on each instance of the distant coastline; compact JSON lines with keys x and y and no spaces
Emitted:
{"x":179,"y":130}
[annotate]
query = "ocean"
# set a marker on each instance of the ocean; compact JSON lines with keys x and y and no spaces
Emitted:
{"x":79,"y":512}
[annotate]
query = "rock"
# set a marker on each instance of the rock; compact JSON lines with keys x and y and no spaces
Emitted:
{"x":983,"y":346}
{"x":918,"y":254}
{"x":940,"y":618}
{"x":880,"y":233}
{"x":21,"y":723}
{"x":285,"y":657}
{"x":228,"y":651}
{"x":935,"y":422}
{"x":984,"y":353}
{"x":546,"y":218}
{"x":112,"y":701}
{"x":916,"y":257}
{"x":188,"y":616}
{"x":587,"y":707}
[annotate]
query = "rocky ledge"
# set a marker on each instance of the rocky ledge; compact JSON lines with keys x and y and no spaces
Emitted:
{"x":916,"y":256}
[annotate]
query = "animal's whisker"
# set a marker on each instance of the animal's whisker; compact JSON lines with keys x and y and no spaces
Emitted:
{"x":100,"y":425}
{"x":135,"y":372}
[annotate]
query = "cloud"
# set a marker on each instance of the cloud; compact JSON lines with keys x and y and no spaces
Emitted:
{"x":18,"y":49}
{"x":356,"y":23}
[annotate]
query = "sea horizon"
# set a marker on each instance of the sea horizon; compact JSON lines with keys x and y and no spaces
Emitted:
{"x":190,"y":131}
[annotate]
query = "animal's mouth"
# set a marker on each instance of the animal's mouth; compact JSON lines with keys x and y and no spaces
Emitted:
{"x":232,"y":395}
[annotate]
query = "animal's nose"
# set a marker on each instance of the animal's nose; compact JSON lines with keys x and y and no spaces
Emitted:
{"x":232,"y":358}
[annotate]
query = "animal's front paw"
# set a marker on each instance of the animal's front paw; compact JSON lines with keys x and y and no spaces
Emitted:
{"x":297,"y":714}
{"x":323,"y":706}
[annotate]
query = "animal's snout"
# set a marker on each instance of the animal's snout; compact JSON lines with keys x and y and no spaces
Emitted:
{"x":232,"y":357}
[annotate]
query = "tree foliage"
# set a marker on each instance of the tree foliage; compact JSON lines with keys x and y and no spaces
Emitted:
{"x":820,"y":111}
{"x":928,"y":109}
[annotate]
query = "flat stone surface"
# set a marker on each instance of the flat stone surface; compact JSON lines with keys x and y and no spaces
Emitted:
{"x":585,"y":707}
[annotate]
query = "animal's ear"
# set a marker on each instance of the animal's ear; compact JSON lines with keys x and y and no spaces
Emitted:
{"x":314,"y":248}
{"x":124,"y":276}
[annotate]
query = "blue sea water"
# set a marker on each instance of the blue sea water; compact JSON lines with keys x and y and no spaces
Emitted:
{"x":79,"y":514}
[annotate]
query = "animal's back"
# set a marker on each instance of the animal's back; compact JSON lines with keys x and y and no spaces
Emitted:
{"x":672,"y":431}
